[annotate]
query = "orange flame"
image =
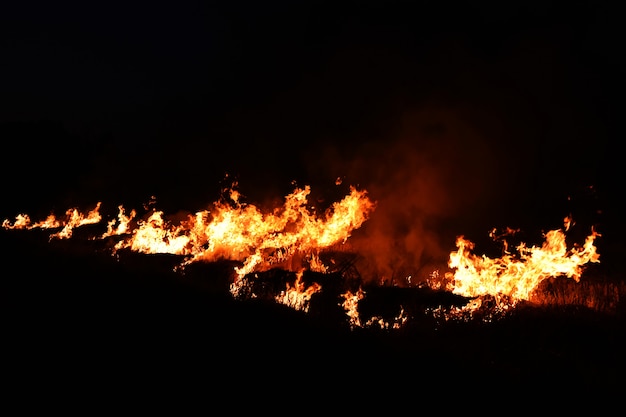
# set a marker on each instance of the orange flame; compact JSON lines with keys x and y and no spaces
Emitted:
{"x":516,"y":277}
{"x":229,"y":230}
{"x":351,"y":306}
{"x":73,"y":218}
{"x":298,"y":296}
{"x":292,"y":237}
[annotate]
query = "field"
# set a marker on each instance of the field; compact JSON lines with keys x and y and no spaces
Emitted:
{"x":76,"y":310}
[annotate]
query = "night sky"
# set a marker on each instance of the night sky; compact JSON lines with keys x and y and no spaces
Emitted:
{"x":456,"y":117}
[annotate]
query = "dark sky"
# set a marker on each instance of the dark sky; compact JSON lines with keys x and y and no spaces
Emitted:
{"x":458,"y":116}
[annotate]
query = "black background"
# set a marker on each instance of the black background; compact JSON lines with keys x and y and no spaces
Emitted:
{"x":457,"y":118}
{"x":125,"y":98}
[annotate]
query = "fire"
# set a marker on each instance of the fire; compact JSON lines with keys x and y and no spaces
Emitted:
{"x":396,"y":323}
{"x":515,"y":277}
{"x":73,"y":218}
{"x":155,"y":235}
{"x":351,"y":306}
{"x":292,"y":237}
{"x":287,"y":237}
{"x":121,"y":225}
{"x":298,"y":296}
{"x":236,"y":231}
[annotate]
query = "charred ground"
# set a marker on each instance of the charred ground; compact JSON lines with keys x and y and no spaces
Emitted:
{"x":67,"y":309}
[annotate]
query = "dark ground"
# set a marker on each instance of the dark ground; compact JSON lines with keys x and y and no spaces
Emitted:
{"x":84,"y":317}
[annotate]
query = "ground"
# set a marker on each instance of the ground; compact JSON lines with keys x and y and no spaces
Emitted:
{"x":89,"y":314}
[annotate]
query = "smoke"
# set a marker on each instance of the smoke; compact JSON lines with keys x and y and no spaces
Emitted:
{"x":429,"y":178}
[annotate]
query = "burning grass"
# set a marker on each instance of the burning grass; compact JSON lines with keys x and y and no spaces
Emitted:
{"x":80,"y":305}
{"x":297,"y":256}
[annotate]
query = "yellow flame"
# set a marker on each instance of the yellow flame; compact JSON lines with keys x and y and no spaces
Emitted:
{"x":516,"y":277}
{"x":73,"y":218}
{"x":291,"y":237}
{"x":351,"y":306}
{"x":120,"y":226}
{"x":298,"y":296}
{"x":229,"y":230}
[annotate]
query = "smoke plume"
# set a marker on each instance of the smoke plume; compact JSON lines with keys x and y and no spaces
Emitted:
{"x":433,"y":174}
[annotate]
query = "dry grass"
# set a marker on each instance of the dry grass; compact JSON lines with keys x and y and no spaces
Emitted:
{"x":598,"y":294}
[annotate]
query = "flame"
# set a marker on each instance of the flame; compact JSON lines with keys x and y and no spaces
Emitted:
{"x":293,"y":235}
{"x":229,"y":230}
{"x":240,"y":232}
{"x":298,"y":296}
{"x":397,"y":322}
{"x":515,"y":277}
{"x":350,"y":305}
{"x":120,"y":226}
{"x":73,"y":218}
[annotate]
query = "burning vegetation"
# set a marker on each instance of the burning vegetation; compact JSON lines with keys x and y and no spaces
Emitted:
{"x":294,"y":256}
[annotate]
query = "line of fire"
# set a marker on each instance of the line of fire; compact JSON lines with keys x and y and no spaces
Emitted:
{"x":299,"y":257}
